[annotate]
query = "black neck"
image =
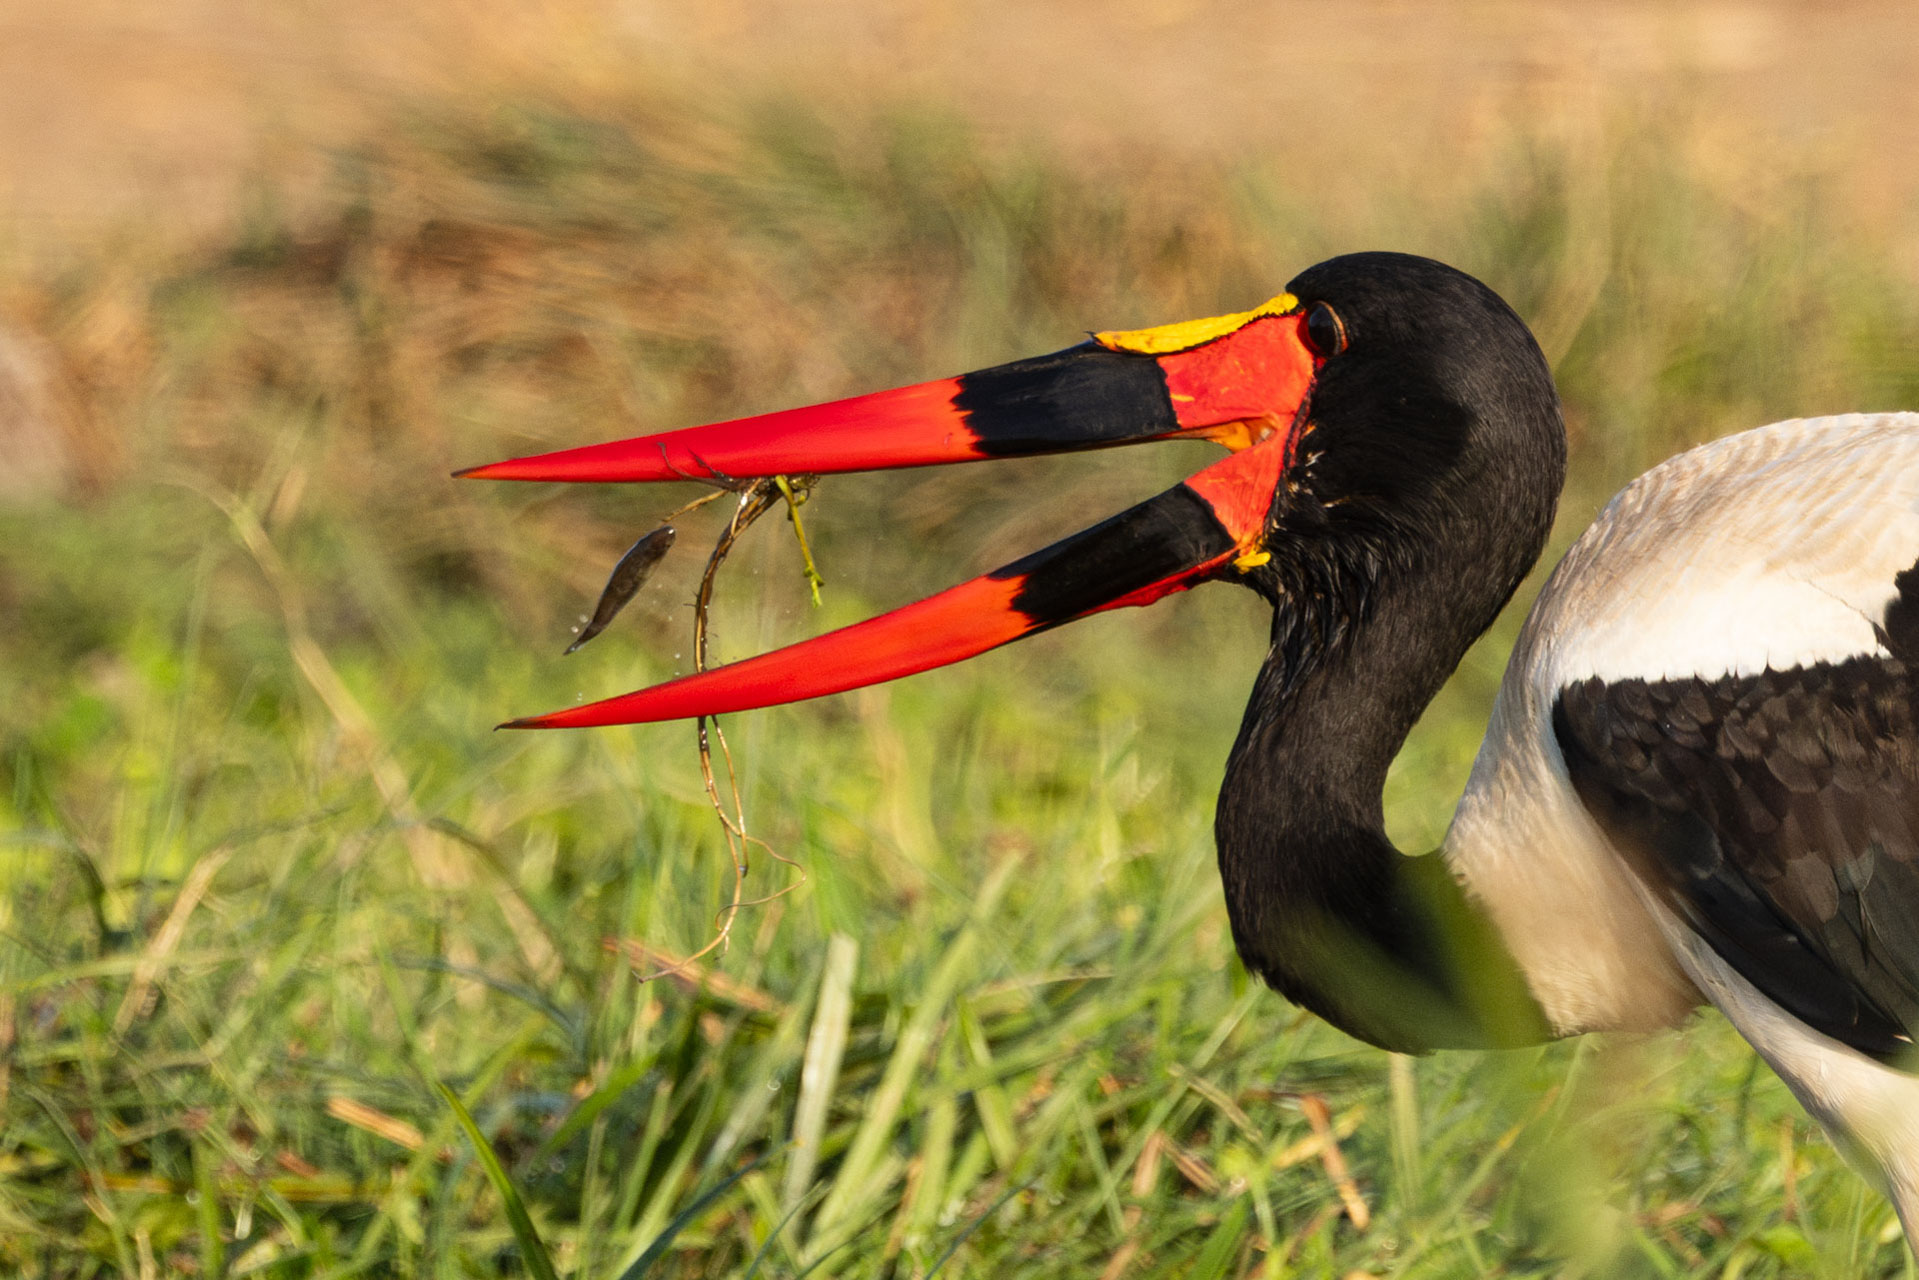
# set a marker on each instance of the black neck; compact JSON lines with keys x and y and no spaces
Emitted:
{"x":1386,"y":947}
{"x":1423,"y":491}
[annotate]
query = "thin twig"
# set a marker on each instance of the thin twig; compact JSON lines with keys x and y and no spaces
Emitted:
{"x":755,"y":499}
{"x":795,"y":493}
{"x":694,"y":505}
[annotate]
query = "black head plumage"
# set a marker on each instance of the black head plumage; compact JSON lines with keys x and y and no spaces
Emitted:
{"x":1440,"y":400}
{"x":1423,"y":491}
{"x":1432,"y":463}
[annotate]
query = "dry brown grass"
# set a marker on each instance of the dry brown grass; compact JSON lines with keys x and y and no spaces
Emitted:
{"x":153,"y":117}
{"x":132,"y":134}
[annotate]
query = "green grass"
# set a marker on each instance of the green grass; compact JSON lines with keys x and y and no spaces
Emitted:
{"x":271,"y":883}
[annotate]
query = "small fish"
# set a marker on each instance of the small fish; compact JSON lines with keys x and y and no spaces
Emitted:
{"x":627,"y":578}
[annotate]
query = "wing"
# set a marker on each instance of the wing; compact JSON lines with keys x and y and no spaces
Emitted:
{"x":1778,"y":815}
{"x":1746,"y":600}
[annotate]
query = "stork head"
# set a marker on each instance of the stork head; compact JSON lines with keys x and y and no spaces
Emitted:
{"x":1384,"y":403}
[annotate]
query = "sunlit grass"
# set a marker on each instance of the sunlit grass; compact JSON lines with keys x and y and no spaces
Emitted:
{"x":270,"y":881}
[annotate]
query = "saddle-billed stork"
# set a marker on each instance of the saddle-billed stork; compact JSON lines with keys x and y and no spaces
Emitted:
{"x":1701,"y":778}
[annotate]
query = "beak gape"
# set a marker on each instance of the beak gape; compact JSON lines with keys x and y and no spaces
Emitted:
{"x":1242,"y":380}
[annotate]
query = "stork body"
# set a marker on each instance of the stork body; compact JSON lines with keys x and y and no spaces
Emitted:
{"x":1774,"y":551}
{"x":1701,"y":779}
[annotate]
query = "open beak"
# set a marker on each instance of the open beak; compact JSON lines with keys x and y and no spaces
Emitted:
{"x":1243,"y":380}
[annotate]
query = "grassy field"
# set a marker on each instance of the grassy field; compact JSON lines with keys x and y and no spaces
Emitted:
{"x":270,"y":881}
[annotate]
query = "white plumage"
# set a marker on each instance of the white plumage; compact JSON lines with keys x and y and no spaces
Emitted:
{"x":1771,"y":549}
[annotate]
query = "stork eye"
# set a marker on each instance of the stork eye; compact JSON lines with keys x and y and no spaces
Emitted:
{"x":1325,"y":331}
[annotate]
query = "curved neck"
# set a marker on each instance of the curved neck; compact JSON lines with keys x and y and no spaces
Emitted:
{"x":1386,"y":947}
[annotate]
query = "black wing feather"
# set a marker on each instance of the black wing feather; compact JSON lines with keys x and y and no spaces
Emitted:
{"x":1778,"y":814}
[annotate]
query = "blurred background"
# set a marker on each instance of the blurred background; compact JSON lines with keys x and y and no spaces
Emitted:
{"x":269,"y":272}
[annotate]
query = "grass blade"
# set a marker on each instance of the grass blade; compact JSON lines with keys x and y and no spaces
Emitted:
{"x":532,"y":1248}
{"x":664,"y":1241}
{"x":973,"y":1226}
{"x":855,"y":1179}
{"x":588,"y":1109}
{"x":1220,"y":1247}
{"x":759,"y":1255}
{"x":820,"y":1068}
